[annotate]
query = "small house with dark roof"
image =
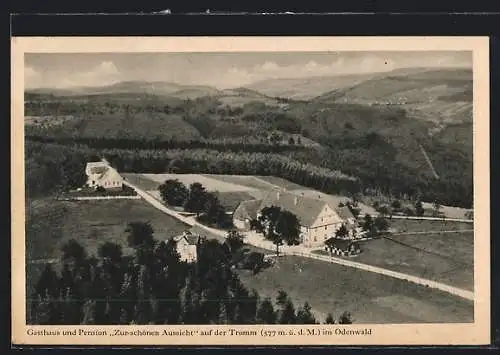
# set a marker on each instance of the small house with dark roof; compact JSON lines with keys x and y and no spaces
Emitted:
{"x":318,"y":219}
{"x":342,"y":247}
{"x":187,"y":246}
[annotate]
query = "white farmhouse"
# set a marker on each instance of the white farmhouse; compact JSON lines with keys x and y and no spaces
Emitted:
{"x":102,"y":174}
{"x":318,"y":219}
{"x":187,"y":246}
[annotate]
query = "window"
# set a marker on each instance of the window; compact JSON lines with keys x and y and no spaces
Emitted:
{"x":314,"y":238}
{"x":326,"y":227}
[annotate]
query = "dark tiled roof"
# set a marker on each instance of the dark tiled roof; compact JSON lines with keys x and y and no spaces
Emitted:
{"x":202,"y":232}
{"x":247,"y":209}
{"x":191,"y":238}
{"x":305,"y":208}
{"x":344,"y":212}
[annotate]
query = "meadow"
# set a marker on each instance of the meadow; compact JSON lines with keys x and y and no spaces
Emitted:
{"x":370,"y":297}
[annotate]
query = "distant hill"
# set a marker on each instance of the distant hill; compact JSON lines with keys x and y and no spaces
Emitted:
{"x":307,"y":88}
{"x":442,"y":96}
{"x":158,"y":88}
{"x":312,"y":87}
{"x":140,"y":90}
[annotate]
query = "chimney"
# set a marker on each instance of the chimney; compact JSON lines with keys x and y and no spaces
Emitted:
{"x":295,"y":200}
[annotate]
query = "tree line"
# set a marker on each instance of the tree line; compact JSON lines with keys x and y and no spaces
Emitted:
{"x":195,"y":199}
{"x":43,"y":160}
{"x":229,"y":145}
{"x":370,"y":165}
{"x":154,"y":286}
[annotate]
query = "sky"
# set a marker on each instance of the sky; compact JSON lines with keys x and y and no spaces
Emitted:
{"x":220,"y":70}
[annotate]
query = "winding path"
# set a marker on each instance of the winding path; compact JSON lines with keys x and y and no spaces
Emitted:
{"x":255,"y":240}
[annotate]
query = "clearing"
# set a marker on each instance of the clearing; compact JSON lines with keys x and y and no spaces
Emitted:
{"x":370,"y":297}
{"x":209,"y":183}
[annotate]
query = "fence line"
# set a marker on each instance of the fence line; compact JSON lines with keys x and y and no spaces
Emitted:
{"x":89,"y":198}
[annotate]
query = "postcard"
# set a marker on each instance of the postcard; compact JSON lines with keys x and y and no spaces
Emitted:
{"x":250,"y":191}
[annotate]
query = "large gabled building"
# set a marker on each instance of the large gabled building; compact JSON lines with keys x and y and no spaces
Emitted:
{"x":318,"y":219}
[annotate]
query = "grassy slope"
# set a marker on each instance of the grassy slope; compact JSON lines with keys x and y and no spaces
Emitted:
{"x":51,"y":223}
{"x":443,"y":257}
{"x":372,"y":298}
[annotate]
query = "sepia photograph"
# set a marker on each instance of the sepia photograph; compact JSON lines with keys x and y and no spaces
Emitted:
{"x":329,"y":187}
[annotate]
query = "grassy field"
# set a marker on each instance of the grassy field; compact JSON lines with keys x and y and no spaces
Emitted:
{"x":282,"y":183}
{"x":51,"y":223}
{"x":406,"y":225}
{"x":439,"y":257}
{"x":209,"y":183}
{"x":243,"y":180}
{"x":141,"y":181}
{"x":371,"y":298}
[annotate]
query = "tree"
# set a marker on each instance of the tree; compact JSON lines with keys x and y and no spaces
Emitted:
{"x":139,"y":233}
{"x":173,"y":192}
{"x":280,"y":226}
{"x":256,"y":225}
{"x":286,"y":315}
{"x":197,"y":198}
{"x":288,"y":227}
{"x":48,"y":283}
{"x":110,"y":251}
{"x":268,"y":219}
{"x":286,"y":311}
{"x":72,"y":250}
{"x":234,"y":240}
{"x":275,"y":137}
{"x":305,"y":316}
{"x":329,"y":319}
{"x":345,"y":318}
{"x":396,"y":204}
{"x":213,"y":211}
{"x":291,"y":141}
{"x":265,"y":313}
{"x":381,"y":224}
{"x":342,"y":232}
{"x":419,"y":208}
{"x":383,"y":210}
{"x":367,"y":224}
{"x":436,"y":212}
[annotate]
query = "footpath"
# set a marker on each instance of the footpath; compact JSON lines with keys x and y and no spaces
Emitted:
{"x":256,"y":240}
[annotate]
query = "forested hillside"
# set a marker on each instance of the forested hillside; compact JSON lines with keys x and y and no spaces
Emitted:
{"x":380,"y":145}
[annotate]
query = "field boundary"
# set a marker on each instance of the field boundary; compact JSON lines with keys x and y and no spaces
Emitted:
{"x":91,"y":198}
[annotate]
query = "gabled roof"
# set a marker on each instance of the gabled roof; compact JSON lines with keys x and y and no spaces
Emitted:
{"x":190,"y":238}
{"x":344,"y":212}
{"x":111,"y":174}
{"x":247,"y":209}
{"x":305,"y":208}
